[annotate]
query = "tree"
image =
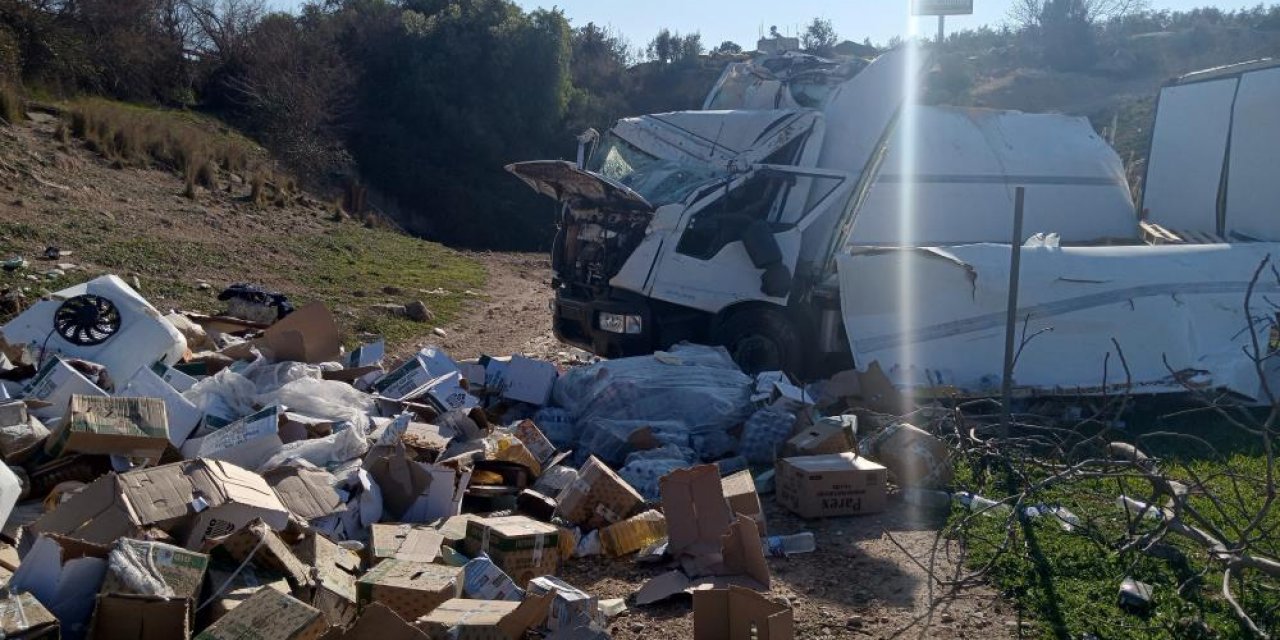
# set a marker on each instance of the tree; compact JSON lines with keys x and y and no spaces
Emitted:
{"x":670,"y":47}
{"x":729,"y":46}
{"x":819,"y":38}
{"x":1030,"y":13}
{"x":1067,"y":35}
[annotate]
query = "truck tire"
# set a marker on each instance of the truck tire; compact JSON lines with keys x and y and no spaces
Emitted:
{"x":761,"y":339}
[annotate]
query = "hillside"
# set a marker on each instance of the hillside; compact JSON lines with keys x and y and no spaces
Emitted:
{"x":137,"y":220}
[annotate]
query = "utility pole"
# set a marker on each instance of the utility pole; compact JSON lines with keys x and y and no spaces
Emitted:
{"x":942,"y":9}
{"x":942,"y":28}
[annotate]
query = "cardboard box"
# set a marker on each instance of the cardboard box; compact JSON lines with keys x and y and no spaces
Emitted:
{"x":696,"y":510}
{"x":428,"y":364}
{"x":570,"y":607}
{"x":54,"y":384}
{"x":22,"y":617}
{"x":140,"y":567}
{"x":176,"y":379}
{"x":411,"y":589}
{"x":412,"y":542}
{"x":535,"y":441}
{"x":21,"y":441}
{"x":825,"y":436}
{"x":915,"y":457}
{"x":64,"y":575}
{"x":412,"y":491}
{"x":634,"y":533}
{"x":137,"y":617}
{"x":463,"y":619}
{"x":258,"y":544}
{"x":484,"y":580}
{"x":737,"y":613}
{"x":268,"y":615}
{"x":829,"y":485}
{"x":247,"y":442}
{"x":129,"y":427}
{"x":196,"y":500}
{"x":307,"y":491}
{"x":535,"y":505}
{"x":740,"y":491}
{"x":309,"y":334}
{"x":242,"y":582}
{"x":529,"y":380}
{"x":379,"y":623}
{"x":521,"y":546}
{"x":446,"y":392}
{"x":183,"y":415}
{"x":597,"y":497}
{"x":334,"y":570}
{"x":13,"y":413}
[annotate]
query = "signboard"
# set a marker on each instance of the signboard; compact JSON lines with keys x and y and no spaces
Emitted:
{"x":941,"y":7}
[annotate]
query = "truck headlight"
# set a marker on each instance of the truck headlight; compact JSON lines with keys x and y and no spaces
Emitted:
{"x":619,"y":323}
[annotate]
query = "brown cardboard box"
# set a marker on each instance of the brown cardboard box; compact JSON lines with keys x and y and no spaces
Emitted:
{"x":463,"y":619}
{"x":309,"y":334}
{"x":21,"y":434}
{"x":306,"y":491}
{"x":521,"y":546}
{"x":411,"y":589}
{"x":825,"y":436}
{"x":412,"y":542}
{"x":377,"y":622}
{"x":915,"y":457}
{"x":840,"y":484}
{"x":535,"y":441}
{"x":129,"y":427}
{"x":139,"y":567}
{"x":138,"y":617}
{"x":196,"y":500}
{"x":334,"y":570}
{"x":696,"y":510}
{"x":22,"y":617}
{"x":65,"y":575}
{"x":268,"y":615}
{"x":258,"y":544}
{"x":535,"y":505}
{"x":737,"y":613}
{"x":634,"y":533}
{"x":740,"y":490}
{"x":598,"y":497}
{"x":241,"y":583}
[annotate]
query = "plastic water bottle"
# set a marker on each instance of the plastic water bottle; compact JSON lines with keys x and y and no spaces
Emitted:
{"x":976,"y":502}
{"x":1136,"y":507}
{"x":926,"y":498}
{"x":783,"y":546}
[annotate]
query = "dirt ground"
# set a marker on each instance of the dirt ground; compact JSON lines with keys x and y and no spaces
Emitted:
{"x":857,"y":584}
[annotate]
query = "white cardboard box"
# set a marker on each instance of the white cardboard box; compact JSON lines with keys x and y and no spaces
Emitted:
{"x":530,"y":380}
{"x":247,"y":442}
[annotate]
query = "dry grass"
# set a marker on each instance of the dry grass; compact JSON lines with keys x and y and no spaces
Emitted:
{"x":12,"y":106}
{"x":130,"y":136}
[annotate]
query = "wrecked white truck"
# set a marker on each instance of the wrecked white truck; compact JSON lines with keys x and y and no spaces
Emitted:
{"x":812,"y":217}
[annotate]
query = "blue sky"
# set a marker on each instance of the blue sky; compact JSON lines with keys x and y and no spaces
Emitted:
{"x":743,"y":20}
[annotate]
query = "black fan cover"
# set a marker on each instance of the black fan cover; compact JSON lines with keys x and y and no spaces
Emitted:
{"x":86,"y":320}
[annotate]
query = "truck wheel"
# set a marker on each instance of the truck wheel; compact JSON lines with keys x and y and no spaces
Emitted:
{"x":761,"y":340}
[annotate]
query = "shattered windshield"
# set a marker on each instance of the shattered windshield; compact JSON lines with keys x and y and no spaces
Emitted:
{"x":659,"y":181}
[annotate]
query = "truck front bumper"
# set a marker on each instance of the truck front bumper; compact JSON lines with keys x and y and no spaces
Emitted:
{"x":576,"y":321}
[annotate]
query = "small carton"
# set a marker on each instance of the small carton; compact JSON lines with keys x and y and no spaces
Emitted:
{"x":597,"y":497}
{"x":21,"y":441}
{"x":829,"y":485}
{"x":463,"y":619}
{"x":412,"y":542}
{"x":536,"y":505}
{"x":54,"y":384}
{"x":13,"y":413}
{"x":129,"y":427}
{"x":22,"y":617}
{"x":426,"y":365}
{"x":570,"y":607}
{"x":247,"y":442}
{"x":740,"y":490}
{"x":268,"y":615}
{"x":737,"y":613}
{"x":446,"y":393}
{"x":825,"y":436}
{"x":241,"y":583}
{"x":183,"y":415}
{"x":535,"y":441}
{"x":380,"y":623}
{"x":484,"y":580}
{"x":333,"y":573}
{"x":138,"y":617}
{"x":140,"y":567}
{"x":529,"y":380}
{"x":411,"y":589}
{"x":634,"y":533}
{"x":176,"y":379}
{"x":521,"y":546}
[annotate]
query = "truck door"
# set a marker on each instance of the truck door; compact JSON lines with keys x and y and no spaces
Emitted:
{"x":740,"y":239}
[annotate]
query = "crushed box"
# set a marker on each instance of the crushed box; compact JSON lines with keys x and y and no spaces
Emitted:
{"x":464,"y":619}
{"x":53,"y":386}
{"x":570,"y":606}
{"x":333,"y":573}
{"x":247,"y":442}
{"x":128,"y":427}
{"x":740,"y":490}
{"x":139,"y":617}
{"x":22,"y":617}
{"x":140,"y":567}
{"x":825,"y":436}
{"x":737,"y":613}
{"x":840,"y":484}
{"x":411,"y":589}
{"x":597,"y":497}
{"x":521,"y":546}
{"x":268,"y":615}
{"x":634,"y":533}
{"x":412,"y":542}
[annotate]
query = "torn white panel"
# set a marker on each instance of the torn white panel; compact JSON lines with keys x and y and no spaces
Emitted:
{"x":1183,"y":303}
{"x":1253,"y":175}
{"x":966,"y":165}
{"x":1188,"y":146}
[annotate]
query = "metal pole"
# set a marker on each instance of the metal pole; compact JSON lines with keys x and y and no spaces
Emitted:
{"x":942,"y":27}
{"x":1011,"y":312}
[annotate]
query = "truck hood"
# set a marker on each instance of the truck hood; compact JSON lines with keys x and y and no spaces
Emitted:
{"x":578,"y":188}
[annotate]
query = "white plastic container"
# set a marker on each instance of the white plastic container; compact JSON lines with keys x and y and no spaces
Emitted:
{"x":134,"y":335}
